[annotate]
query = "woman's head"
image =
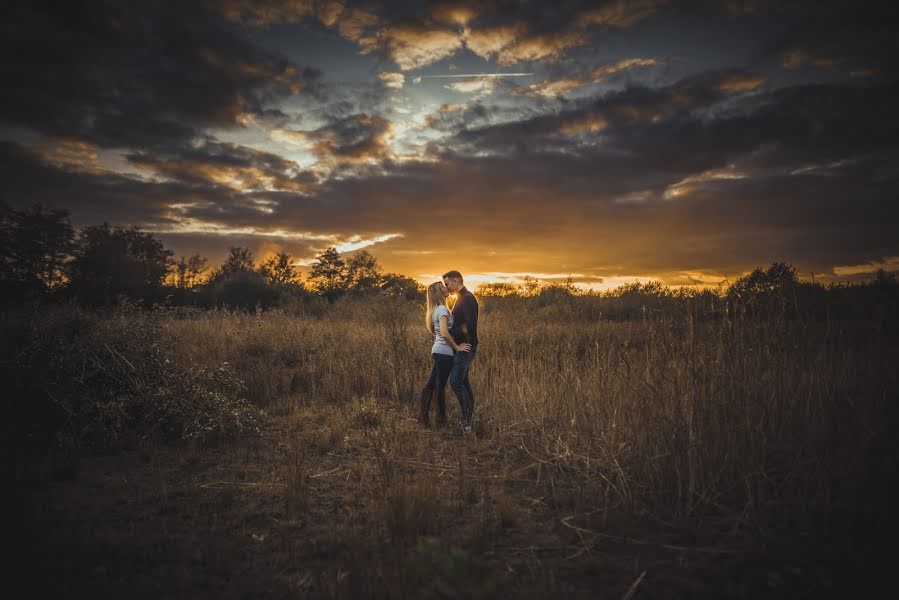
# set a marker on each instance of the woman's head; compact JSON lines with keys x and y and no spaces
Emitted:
{"x":437,"y":293}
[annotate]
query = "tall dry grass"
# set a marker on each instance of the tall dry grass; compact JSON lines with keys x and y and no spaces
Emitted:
{"x":702,"y":421}
{"x":763,"y":422}
{"x":747,"y":422}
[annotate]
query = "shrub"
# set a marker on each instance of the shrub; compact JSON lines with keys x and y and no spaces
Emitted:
{"x":105,"y":374}
{"x":243,"y":289}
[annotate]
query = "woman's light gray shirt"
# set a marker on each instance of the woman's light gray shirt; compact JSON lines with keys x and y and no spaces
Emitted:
{"x":440,"y":345}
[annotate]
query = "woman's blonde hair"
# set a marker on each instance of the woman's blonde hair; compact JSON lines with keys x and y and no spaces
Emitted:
{"x":435,"y":299}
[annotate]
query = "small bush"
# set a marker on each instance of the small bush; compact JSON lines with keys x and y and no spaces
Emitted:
{"x":109,"y":373}
{"x":243,"y":289}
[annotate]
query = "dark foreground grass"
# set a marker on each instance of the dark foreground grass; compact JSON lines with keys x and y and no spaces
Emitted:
{"x":675,"y":455}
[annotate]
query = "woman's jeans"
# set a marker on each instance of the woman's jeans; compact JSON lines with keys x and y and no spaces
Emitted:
{"x":440,"y":371}
{"x":436,"y":386}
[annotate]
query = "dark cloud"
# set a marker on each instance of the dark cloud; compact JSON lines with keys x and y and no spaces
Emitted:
{"x":459,"y":12}
{"x":802,"y":161}
{"x":414,"y":35}
{"x":134,"y":74}
{"x":644,"y":168}
{"x":260,"y":13}
{"x":90,"y":198}
{"x":180,"y":201}
{"x":455,"y":117}
{"x":344,"y":142}
{"x":619,"y":13}
{"x":697,"y":124}
{"x":358,"y":138}
{"x":623,"y":117}
{"x":782,"y":177}
{"x":562,"y":86}
{"x":228,"y":166}
{"x":857,"y":37}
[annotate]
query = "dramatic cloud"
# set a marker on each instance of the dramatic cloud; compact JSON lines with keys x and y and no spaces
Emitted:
{"x":511,"y":44}
{"x":561,"y":87}
{"x":478,"y":85}
{"x":603,"y":140}
{"x":833,"y":36}
{"x":619,"y":13}
{"x":487,"y":42}
{"x":263,"y":14}
{"x":740,"y":82}
{"x":353,"y":23}
{"x":290,"y":136}
{"x":540,"y":47}
{"x":797,"y":59}
{"x":392,"y":80}
{"x":634,"y":114}
{"x":226,"y":165}
{"x":455,"y":12}
{"x":413,"y":45}
{"x":357,"y":139}
{"x":131,"y":74}
{"x":69,"y":153}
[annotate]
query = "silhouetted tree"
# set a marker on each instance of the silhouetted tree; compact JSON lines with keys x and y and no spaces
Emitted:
{"x":5,"y":232}
{"x":236,"y":282}
{"x":328,"y":272}
{"x":196,"y":266}
{"x":242,"y":289}
{"x":279,"y":269}
{"x":239,"y":259}
{"x":180,"y":273}
{"x":884,"y":280}
{"x":110,"y":261}
{"x":530,"y":286}
{"x":775,"y":279}
{"x":363,"y":272}
{"x":184,"y":277}
{"x":497,"y":289}
{"x":402,"y":286}
{"x":562,"y":291}
{"x":34,"y":245}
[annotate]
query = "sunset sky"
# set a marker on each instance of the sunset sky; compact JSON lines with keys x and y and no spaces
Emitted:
{"x":612,"y":141}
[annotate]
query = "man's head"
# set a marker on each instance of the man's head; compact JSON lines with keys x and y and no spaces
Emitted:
{"x":453,"y":281}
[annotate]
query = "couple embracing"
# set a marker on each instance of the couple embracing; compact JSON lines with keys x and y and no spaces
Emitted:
{"x":455,"y":344}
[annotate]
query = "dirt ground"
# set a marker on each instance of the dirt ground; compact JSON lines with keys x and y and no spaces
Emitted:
{"x":365,"y":505}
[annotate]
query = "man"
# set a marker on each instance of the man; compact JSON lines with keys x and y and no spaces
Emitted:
{"x":464,"y":329}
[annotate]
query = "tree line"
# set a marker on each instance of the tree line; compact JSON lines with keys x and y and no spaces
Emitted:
{"x":42,"y":257}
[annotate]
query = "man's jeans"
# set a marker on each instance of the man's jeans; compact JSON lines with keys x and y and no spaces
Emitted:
{"x":460,"y":384}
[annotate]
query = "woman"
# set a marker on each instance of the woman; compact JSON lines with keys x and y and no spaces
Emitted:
{"x":438,"y":320}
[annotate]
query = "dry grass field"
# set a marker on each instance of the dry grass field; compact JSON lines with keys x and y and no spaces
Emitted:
{"x":679,"y":453}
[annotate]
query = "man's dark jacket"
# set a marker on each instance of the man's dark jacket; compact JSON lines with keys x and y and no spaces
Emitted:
{"x":465,"y":318}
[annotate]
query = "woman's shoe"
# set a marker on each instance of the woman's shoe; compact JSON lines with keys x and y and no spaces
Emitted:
{"x":441,"y":408}
{"x":424,"y":407}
